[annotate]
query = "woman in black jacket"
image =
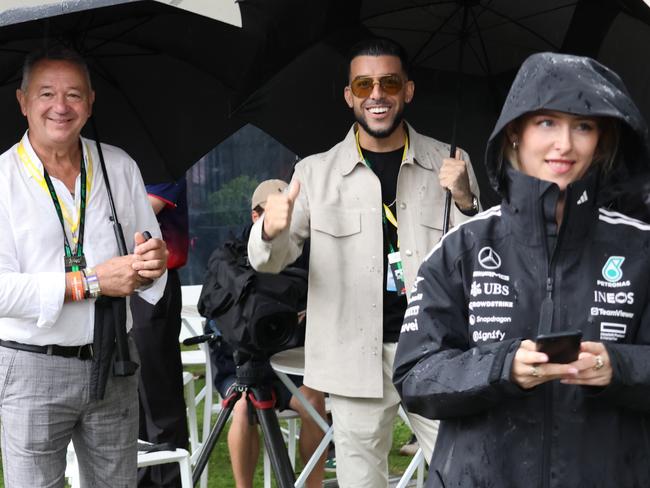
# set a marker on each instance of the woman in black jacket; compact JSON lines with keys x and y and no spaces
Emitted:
{"x":556,"y":256}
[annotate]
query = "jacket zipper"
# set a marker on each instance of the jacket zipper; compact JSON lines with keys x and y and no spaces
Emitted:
{"x":546,"y":320}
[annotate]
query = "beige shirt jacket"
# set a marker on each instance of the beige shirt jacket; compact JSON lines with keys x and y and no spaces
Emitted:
{"x":340,"y":208}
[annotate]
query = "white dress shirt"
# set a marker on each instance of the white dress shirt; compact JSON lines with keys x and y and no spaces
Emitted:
{"x":32,"y":273}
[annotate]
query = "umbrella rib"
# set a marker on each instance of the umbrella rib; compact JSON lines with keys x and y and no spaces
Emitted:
{"x":433,"y":34}
{"x":529,"y":16}
{"x":541,"y":12}
{"x":487,"y":68}
{"x":522,"y":26}
{"x":121,"y":34}
{"x":404,"y":9}
{"x":144,"y":126}
{"x":478,"y":58}
{"x":442,"y":48}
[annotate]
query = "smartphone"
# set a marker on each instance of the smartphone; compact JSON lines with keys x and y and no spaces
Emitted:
{"x":560,"y":347}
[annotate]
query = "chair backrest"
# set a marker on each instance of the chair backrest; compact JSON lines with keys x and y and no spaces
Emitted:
{"x":191,"y":294}
{"x":191,"y":320}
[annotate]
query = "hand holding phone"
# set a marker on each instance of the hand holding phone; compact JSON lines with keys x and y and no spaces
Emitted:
{"x":560,"y":347}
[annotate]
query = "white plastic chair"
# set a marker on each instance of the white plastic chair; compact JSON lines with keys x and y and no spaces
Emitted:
{"x":417,"y":463}
{"x":180,"y":456}
{"x":192,"y":325}
{"x":291,"y":435}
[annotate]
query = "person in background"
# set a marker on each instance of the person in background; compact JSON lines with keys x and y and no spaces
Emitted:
{"x":372,"y":207}
{"x":554,"y":257}
{"x":155,"y":330}
{"x":58,"y":258}
{"x":243,"y":437}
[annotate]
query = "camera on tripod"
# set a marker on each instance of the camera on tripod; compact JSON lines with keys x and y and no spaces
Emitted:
{"x":256,"y":313}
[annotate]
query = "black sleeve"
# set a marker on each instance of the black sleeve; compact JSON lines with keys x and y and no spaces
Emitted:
{"x":436,"y":371}
{"x":630,"y":385}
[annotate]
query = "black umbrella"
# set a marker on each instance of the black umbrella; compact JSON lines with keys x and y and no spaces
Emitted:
{"x":167,"y":80}
{"x":303,"y":108}
{"x":164,"y":77}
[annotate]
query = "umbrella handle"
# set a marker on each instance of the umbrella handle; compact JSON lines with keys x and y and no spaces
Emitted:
{"x":447,"y":210}
{"x":445,"y":222}
{"x":452,"y":149}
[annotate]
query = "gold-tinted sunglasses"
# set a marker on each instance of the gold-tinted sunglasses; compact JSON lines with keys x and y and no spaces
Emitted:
{"x":362,"y":86}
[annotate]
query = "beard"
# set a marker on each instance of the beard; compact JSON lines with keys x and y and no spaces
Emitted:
{"x":380,"y":133}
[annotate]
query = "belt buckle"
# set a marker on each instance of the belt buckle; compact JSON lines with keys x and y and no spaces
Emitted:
{"x":50,"y":350}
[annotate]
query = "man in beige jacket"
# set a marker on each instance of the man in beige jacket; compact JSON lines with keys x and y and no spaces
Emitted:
{"x":349,"y":201}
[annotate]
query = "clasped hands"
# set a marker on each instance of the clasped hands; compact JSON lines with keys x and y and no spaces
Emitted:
{"x":122,"y":275}
{"x":531,"y":368}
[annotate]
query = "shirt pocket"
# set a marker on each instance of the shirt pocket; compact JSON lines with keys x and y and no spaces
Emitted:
{"x":336,"y":222}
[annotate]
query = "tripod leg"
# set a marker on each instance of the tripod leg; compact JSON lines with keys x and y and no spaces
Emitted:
{"x":211,"y":441}
{"x":273,"y":438}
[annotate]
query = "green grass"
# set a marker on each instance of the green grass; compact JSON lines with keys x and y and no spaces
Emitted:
{"x":220,"y":474}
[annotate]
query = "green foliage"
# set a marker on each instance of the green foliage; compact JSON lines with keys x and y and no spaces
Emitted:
{"x":231,"y":203}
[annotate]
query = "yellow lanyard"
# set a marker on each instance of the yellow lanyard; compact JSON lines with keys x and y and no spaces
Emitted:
{"x":38,"y":176}
{"x":388,"y":215}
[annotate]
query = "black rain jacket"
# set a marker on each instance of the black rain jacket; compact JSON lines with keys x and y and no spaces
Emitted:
{"x":507,"y":275}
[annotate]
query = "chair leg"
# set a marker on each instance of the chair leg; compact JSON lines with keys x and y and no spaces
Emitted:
{"x":291,"y":444}
{"x":267,"y":469}
{"x":186,"y":472}
{"x":207,"y":407}
{"x":416,"y":463}
{"x":188,"y":381}
{"x":72,"y":468}
{"x":420,"y":478}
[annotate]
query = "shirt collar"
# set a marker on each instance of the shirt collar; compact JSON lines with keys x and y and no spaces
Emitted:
{"x":350,"y":155}
{"x":37,"y":161}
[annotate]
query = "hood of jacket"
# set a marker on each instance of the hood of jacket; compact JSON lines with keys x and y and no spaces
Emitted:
{"x":580,"y":86}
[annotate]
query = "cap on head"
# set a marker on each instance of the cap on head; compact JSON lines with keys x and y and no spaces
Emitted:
{"x":265,"y":189}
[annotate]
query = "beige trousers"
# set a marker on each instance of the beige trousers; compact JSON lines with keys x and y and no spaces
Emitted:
{"x":363,"y":432}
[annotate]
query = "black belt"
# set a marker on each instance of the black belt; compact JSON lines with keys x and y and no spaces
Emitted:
{"x":79,"y":352}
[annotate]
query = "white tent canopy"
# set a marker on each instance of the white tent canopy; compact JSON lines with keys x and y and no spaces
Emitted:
{"x":16,"y":11}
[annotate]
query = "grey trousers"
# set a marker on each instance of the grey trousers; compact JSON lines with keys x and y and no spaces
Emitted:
{"x":44,"y":403}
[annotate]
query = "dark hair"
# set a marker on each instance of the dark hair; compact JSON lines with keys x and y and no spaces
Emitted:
{"x":55,"y":53}
{"x":379,"y":46}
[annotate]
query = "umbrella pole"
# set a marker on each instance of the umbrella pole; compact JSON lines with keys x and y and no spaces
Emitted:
{"x":123,"y":366}
{"x":452,"y":148}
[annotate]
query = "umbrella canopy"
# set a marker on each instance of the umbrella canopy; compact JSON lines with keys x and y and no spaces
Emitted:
{"x":167,"y":79}
{"x":16,"y":11}
{"x":303,"y":107}
{"x":163,"y":77}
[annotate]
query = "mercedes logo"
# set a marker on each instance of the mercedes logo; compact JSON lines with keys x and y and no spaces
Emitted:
{"x":488,"y":258}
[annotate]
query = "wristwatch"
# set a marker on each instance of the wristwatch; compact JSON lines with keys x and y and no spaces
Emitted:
{"x":471,"y":211}
{"x":93,"y":290}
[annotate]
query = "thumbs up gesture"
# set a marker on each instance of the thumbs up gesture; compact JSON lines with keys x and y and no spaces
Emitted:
{"x":279,"y":207}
